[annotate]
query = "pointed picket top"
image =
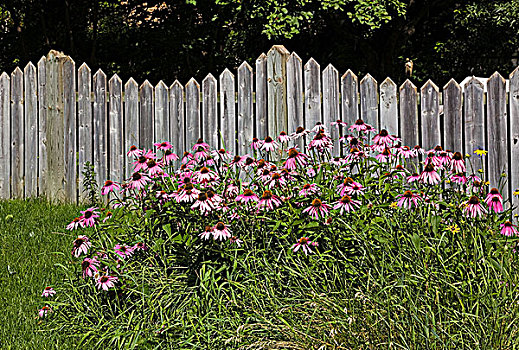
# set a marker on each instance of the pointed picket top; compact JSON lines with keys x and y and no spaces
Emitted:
{"x":176,"y":84}
{"x":330,"y":68}
{"x":146,"y":84}
{"x":131,"y":82}
{"x":429,"y":84}
{"x":42,"y":60}
{"x":514,"y":73}
{"x":5,"y":76}
{"x":277,"y":50}
{"x":208,"y":78}
{"x":114,"y":78}
{"x":408,"y":84}
{"x":161,"y":86}
{"x":17,"y":71}
{"x":311,"y":63}
{"x":451,"y":84}
{"x":84,"y":66}
{"x":494,"y":76}
{"x":226,"y":73}
{"x":261,"y":57}
{"x":474,"y":81}
{"x":99,"y":73}
{"x":29,"y":66}
{"x":387,"y":83}
{"x":368,"y":77}
{"x":191,"y":82}
{"x":349,"y":73}
{"x":245,"y":65}
{"x":294,"y":56}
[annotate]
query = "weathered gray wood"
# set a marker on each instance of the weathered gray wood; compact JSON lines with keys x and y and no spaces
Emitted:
{"x":210,"y":127}
{"x":514,"y":135}
{"x":312,"y":94}
{"x":84,"y":119}
{"x":389,"y":107}
{"x":369,"y":101}
{"x":193,"y":132}
{"x":161,"y":121}
{"x":31,"y":130}
{"x":430,"y":122}
{"x":409,"y":114}
{"x":146,"y":115}
{"x":70,"y":128}
{"x":497,"y":131}
{"x":100,"y":121}
{"x":115,"y":123}
{"x":42,"y":126}
{"x":474,"y":114}
{"x":227,"y":111}
{"x":277,"y":90}
{"x":17,"y":134}
{"x":177,"y":119}
{"x":131,"y":121}
{"x":331,"y":111}
{"x":452,"y":116}
{"x":349,"y":97}
{"x":55,"y":176}
{"x":5,"y":136}
{"x":245,"y":108}
{"x":261,"y":97}
{"x":295,"y":96}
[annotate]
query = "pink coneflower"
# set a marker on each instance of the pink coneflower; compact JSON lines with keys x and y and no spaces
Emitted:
{"x":459,"y":178}
{"x":256,"y":144}
{"x":247,"y":196}
{"x":105,"y":282}
{"x":221,"y":154}
{"x":200,"y":143}
{"x":207,"y":233}
{"x":238,"y":161}
{"x":430,"y":176}
{"x":338,"y":124}
{"x":89,"y":267}
{"x":494,"y":200}
{"x":269,"y":144}
{"x":508,"y":229}
{"x":169,"y":157}
{"x":201,"y":154}
{"x":139,"y":246}
{"x":74,"y":224}
{"x":384,"y":138}
{"x":350,"y":187}
{"x":295,"y":158}
{"x":283,"y":137}
{"x":214,"y":199}
{"x":300,"y":132}
{"x":203,"y":203}
{"x":44,"y":311}
{"x":406,"y":152}
{"x":236,"y":240}
{"x":317,"y":208}
{"x":359,"y":126}
{"x":408,"y":199}
{"x":148,"y":154}
{"x":186,"y":158}
{"x":304,"y":243}
{"x":138,"y":181}
{"x":474,"y":208}
{"x":269,"y":201}
{"x":309,"y":189}
{"x":123,"y":250}
{"x":384,"y":156}
{"x":249,"y":162}
{"x":413,"y":177}
{"x":88,"y":217}
{"x":418,"y":150}
{"x":188,"y":193}
{"x":346,"y":204}
{"x":204,"y":175}
{"x":276,"y":180}
{"x":141,"y":163}
{"x":231,"y":191}
{"x":163,"y":145}
{"x":321,"y":142}
{"x":109,"y":186}
{"x":48,"y":292}
{"x":80,"y":246}
{"x":153,"y":167}
{"x":221,"y":232}
{"x":134,"y":152}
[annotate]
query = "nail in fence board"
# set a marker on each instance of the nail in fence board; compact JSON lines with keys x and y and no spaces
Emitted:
{"x":84,"y":118}
{"x":312,"y":94}
{"x":295,"y":96}
{"x":100,"y":128}
{"x":227,"y":111}
{"x":193,"y":132}
{"x":131,"y":122}
{"x":474,"y":114}
{"x":331,"y":112}
{"x":42,"y":126}
{"x":5,"y":131}
{"x":177,"y":121}
{"x":261,"y":97}
{"x":497,"y":131}
{"x":430,"y":106}
{"x":161,"y":113}
{"x":31,"y":130}
{"x":389,"y":107}
{"x":70,"y":127}
{"x":349,"y":97}
{"x":146,"y":115}
{"x":514,"y":134}
{"x":452,"y":116}
{"x":369,"y":101}
{"x":17,"y":141}
{"x":115,"y":124}
{"x":277,"y":90}
{"x":210,"y":111}
{"x":245,"y":108}
{"x":409,"y":117}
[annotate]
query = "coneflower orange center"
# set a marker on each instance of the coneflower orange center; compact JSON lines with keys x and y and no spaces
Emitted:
{"x":473,"y":200}
{"x":317,"y":203}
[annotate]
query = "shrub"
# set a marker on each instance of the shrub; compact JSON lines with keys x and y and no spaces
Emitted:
{"x":285,"y":249}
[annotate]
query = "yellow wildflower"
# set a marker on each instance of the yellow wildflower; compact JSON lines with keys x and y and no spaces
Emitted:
{"x":453,"y":228}
{"x":516,"y":192}
{"x":480,"y":152}
{"x":393,"y":205}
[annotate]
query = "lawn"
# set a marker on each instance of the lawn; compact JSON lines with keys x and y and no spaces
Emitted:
{"x":32,"y":239}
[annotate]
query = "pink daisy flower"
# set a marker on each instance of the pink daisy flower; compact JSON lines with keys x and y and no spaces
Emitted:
{"x":109,"y":186}
{"x":459,"y":178}
{"x":508,"y":229}
{"x":123,"y":250}
{"x":408,"y":199}
{"x":89,"y":267}
{"x":88,"y":217}
{"x":283,"y":137}
{"x":134,"y":152}
{"x":163,"y":145}
{"x":300,"y":132}
{"x":106,"y":282}
{"x":201,"y":154}
{"x":139,"y":246}
{"x":338,"y":124}
{"x":187,"y":157}
{"x":276,"y":180}
{"x":494,"y":200}
{"x":309,"y":189}
{"x":153,"y":167}
{"x":318,"y":208}
{"x":406,"y":152}
{"x":204,"y":175}
{"x":203,"y":204}
{"x":48,"y":292}
{"x":474,"y":208}
{"x":169,"y":157}
{"x":413,"y":177}
{"x":221,"y":232}
{"x":384,"y":156}
{"x":360,"y":126}
{"x":138,"y":181}
{"x":202,"y":144}
{"x":320,"y":142}
{"x":346,"y":204}
{"x":269,"y":201}
{"x":235,"y":240}
{"x":80,"y":246}
{"x":221,"y":154}
{"x":44,"y":311}
{"x":295,"y":158}
{"x":350,"y":187}
{"x":256,"y":144}
{"x":429,"y":175}
{"x":383,"y":138}
{"x":141,"y":163}
{"x":269,"y":144}
{"x":305,"y":244}
{"x":74,"y":224}
{"x":207,"y":233}
{"x":247,"y":196}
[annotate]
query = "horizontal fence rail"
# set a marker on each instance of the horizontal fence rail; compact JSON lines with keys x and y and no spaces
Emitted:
{"x":54,"y":117}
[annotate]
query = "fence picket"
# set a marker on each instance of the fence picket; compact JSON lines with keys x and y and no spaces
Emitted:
{"x":312,"y":94}
{"x":210,"y":125}
{"x":261,"y":98}
{"x":84,"y":111}
{"x":115,"y":123}
{"x":474,"y":114}
{"x":409,"y":117}
{"x":70,"y":127}
{"x":100,"y":128}
{"x":245,"y":108}
{"x":331,"y":112}
{"x":369,"y":101}
{"x":193,"y":132}
{"x":227,"y":111}
{"x":5,"y":131}
{"x":131,"y":122}
{"x":295,"y":95}
{"x":31,"y":130}
{"x":514,"y":136}
{"x":277,"y":89}
{"x":452,"y":116}
{"x":161,"y":113}
{"x":350,"y":97}
{"x":177,"y":121}
{"x":42,"y":126}
{"x":389,"y":107}
{"x":17,"y":141}
{"x":146,"y":115}
{"x":430,"y":122}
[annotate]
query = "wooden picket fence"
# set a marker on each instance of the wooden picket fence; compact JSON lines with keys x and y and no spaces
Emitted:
{"x":54,"y":118}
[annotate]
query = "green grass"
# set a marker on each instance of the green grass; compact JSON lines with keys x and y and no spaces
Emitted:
{"x":31,"y":232}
